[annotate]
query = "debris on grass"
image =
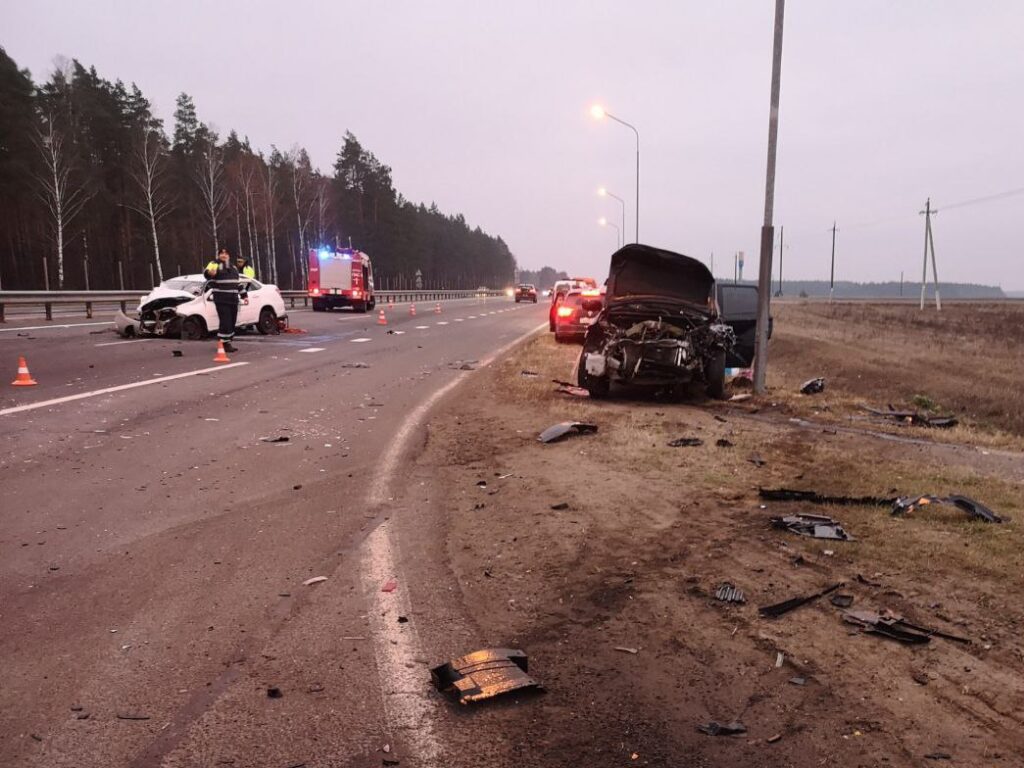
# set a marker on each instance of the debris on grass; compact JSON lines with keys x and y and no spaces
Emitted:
{"x":529,"y":374}
{"x":560,"y":506}
{"x":724,"y":443}
{"x":915,"y":418}
{"x":756,"y":459}
{"x":778,"y":609}
{"x":788,"y":494}
{"x":558,"y":431}
{"x":897,"y":628}
{"x":625,"y":649}
{"x":974,"y":509}
{"x":815,"y":526}
{"x":727,"y":593}
{"x":841,"y":601}
{"x":719,"y":729}
{"x":569,"y":389}
{"x":813,"y":386}
{"x":685,"y":442}
{"x":484,"y":674}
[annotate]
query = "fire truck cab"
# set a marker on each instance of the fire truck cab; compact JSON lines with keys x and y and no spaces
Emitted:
{"x":340,"y":278}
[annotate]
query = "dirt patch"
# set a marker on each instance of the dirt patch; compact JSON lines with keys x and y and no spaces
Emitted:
{"x":600,"y":542}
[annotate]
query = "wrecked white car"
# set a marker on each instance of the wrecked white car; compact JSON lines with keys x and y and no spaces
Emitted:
{"x":660,"y":326}
{"x":183,"y":306}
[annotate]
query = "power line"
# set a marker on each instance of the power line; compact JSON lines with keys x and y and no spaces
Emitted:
{"x":985,"y":199}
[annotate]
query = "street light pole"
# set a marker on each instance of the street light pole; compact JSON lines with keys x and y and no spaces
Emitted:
{"x":598,"y":112}
{"x":767,"y":230}
{"x":605,"y":193}
{"x":618,"y":232}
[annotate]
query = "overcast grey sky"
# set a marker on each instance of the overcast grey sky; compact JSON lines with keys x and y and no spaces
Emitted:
{"x":483,"y":107}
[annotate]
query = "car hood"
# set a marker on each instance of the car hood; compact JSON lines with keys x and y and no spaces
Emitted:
{"x":166,"y":296}
{"x":653,"y":273}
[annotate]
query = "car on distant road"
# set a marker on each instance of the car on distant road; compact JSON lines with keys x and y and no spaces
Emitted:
{"x":526,"y":292}
{"x":576,"y":313}
{"x":662,"y":325}
{"x":561,"y":288}
{"x":183,"y":306}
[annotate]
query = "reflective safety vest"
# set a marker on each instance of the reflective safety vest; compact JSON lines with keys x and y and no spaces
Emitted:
{"x":224,"y":282}
{"x":249,"y":272}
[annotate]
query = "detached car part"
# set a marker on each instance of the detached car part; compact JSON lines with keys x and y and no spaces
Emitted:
{"x":815,"y":526}
{"x":484,"y":674}
{"x":560,"y":430}
{"x":778,"y":609}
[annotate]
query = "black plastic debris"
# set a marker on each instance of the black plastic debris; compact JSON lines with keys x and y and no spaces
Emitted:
{"x":723,"y":443}
{"x":560,"y":506}
{"x":562,"y":429}
{"x":897,"y":628}
{"x":938,"y":756}
{"x":177,"y":353}
{"x":915,"y":418}
{"x":280,"y":439}
{"x":788,"y":494}
{"x":866,"y":581}
{"x":274,"y":693}
{"x":815,"y":526}
{"x":975,"y":509}
{"x":722,"y":419}
{"x":841,"y":601}
{"x":813,"y":386}
{"x":727,"y":593}
{"x":798,"y":680}
{"x":484,"y":674}
{"x":722,"y":729}
{"x":356,"y":365}
{"x":528,"y":374}
{"x":774,"y":611}
{"x":685,"y":442}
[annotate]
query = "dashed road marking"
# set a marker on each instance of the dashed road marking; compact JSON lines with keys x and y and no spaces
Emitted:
{"x":422,"y":327}
{"x":441,"y":322}
{"x":359,"y":340}
{"x":126,"y":341}
{"x":314,"y":349}
{"x":119,"y":388}
{"x":458,"y":319}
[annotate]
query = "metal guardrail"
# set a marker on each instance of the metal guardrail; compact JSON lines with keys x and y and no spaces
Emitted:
{"x":47,"y":299}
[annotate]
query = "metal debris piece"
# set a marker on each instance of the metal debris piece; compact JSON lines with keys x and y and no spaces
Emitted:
{"x":279,"y":439}
{"x":813,"y":386}
{"x":915,"y":418}
{"x":841,"y":601}
{"x":625,"y":649}
{"x":484,"y":674}
{"x":719,"y":729}
{"x":356,"y":365}
{"x":774,"y":611}
{"x":685,"y":442}
{"x":727,"y":593}
{"x":897,"y":628}
{"x":788,"y":494}
{"x":572,"y":390}
{"x":866,"y":581}
{"x":314,"y":580}
{"x":560,"y":430}
{"x":798,"y":680}
{"x":815,"y":526}
{"x":740,"y":397}
{"x":722,"y":419}
{"x":975,"y":509}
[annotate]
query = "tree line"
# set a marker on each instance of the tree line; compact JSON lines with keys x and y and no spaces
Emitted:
{"x":95,"y":194}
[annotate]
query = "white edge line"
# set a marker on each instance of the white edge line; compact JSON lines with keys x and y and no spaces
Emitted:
{"x":126,"y":341}
{"x":118,"y":388}
{"x":359,"y":341}
{"x":313,"y":349}
{"x":50,"y":327}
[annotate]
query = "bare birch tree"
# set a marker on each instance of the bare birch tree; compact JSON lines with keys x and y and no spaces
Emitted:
{"x":210,"y":178}
{"x":270,"y":213}
{"x":56,"y":187}
{"x":149,"y":156}
{"x":322,"y":201}
{"x":303,"y":202}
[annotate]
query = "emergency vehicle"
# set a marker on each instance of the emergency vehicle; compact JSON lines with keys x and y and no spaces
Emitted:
{"x":340,"y":278}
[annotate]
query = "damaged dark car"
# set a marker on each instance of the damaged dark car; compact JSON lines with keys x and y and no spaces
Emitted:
{"x":660,"y":327}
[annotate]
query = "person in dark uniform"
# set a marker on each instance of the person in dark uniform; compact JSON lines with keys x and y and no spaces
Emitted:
{"x":226,"y":291}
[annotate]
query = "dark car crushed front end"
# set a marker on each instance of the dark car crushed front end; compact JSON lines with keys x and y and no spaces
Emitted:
{"x":660,"y":326}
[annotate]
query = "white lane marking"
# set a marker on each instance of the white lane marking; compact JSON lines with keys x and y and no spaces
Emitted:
{"x":126,"y":341}
{"x":397,"y":333}
{"x":441,"y":322}
{"x":359,"y":341}
{"x":422,"y":327}
{"x":471,"y":317}
{"x":458,"y":319}
{"x":119,"y":388}
{"x":396,"y":646}
{"x":314,"y":349}
{"x":48,"y":327}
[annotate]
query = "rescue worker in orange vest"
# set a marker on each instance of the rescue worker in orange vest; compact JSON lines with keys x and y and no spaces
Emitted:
{"x":223,"y":276}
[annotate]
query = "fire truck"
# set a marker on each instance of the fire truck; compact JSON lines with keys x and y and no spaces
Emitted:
{"x":340,"y":278}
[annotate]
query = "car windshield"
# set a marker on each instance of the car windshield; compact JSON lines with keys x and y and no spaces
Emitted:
{"x":182,"y":284}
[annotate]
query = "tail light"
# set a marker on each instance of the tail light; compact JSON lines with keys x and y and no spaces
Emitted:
{"x":564,"y":311}
{"x":314,"y":292}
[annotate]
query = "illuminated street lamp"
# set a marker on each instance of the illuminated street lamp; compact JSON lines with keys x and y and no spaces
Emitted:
{"x":618,"y":232}
{"x":605,"y":193}
{"x":599,"y":113}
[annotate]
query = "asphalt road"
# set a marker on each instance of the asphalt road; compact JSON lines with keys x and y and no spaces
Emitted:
{"x":153,"y":547}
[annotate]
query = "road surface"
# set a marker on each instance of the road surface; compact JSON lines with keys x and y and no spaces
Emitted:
{"x":154,"y":542}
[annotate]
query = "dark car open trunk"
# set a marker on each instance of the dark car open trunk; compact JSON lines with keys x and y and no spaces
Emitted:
{"x":643,"y":270}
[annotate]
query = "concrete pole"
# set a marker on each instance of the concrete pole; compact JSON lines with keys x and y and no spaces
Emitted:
{"x":924,"y":266}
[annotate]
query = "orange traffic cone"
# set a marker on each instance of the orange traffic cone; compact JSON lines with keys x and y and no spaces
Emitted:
{"x":437,"y":308}
{"x":412,"y":310}
{"x":222,"y":356}
{"x":391,"y":302}
{"x":24,"y":377}
{"x":381,"y":319}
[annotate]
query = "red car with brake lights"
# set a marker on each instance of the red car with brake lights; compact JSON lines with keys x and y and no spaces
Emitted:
{"x":576,"y":313}
{"x":526,"y":292}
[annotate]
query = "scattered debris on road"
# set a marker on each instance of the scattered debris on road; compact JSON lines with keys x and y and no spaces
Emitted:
{"x":625,"y":649}
{"x":529,"y":374}
{"x":815,"y":526}
{"x":813,"y":386}
{"x":562,"y":429}
{"x":787,"y":494}
{"x":734,"y":728}
{"x":356,"y":365}
{"x":727,"y":593}
{"x":389,"y":586}
{"x":278,"y":439}
{"x":569,"y":389}
{"x":896,"y":628}
{"x":975,"y":509}
{"x":131,"y":716}
{"x":756,"y":459}
{"x":484,"y":674}
{"x":740,"y":397}
{"x":724,"y":443}
{"x":778,"y":609}
{"x":841,"y":601}
{"x":314,"y":580}
{"x":177,"y":353}
{"x":685,"y":442}
{"x":274,"y":693}
{"x":915,"y":418}
{"x":560,"y":506}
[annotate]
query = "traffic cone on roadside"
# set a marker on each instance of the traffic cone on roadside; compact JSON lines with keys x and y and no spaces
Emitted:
{"x":391,"y":302}
{"x":24,"y":378}
{"x":412,"y":310}
{"x":437,"y":308}
{"x":381,"y":318}
{"x":222,"y":356}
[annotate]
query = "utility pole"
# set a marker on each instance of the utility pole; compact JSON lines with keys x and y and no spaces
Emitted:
{"x":901,"y":283}
{"x":832,"y":277}
{"x":767,"y":230}
{"x":85,"y":259}
{"x":929,"y":242}
{"x":736,"y":267}
{"x":782,"y":233}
